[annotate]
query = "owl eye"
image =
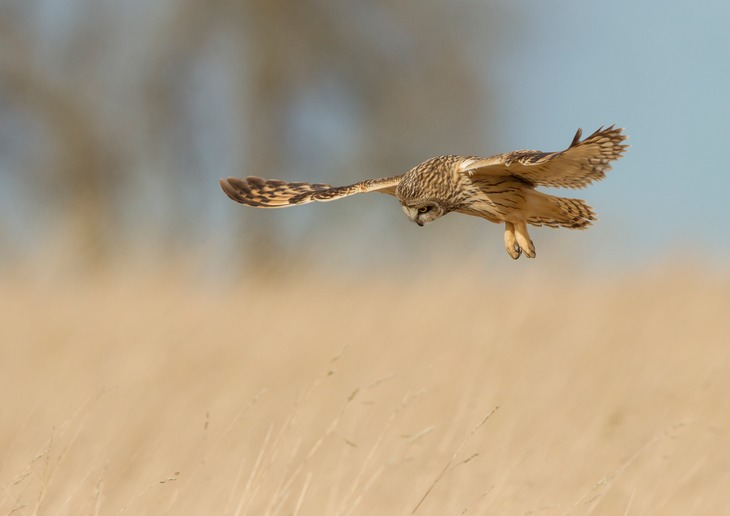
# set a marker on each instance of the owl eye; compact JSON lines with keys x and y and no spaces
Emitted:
{"x":424,"y":209}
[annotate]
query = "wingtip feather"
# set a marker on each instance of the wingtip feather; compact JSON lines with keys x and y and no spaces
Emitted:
{"x":576,"y":138}
{"x":229,"y":189}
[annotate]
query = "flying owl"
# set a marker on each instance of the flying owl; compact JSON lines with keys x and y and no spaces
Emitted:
{"x":499,"y":188}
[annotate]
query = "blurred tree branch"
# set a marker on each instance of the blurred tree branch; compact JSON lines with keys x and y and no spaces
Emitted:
{"x":407,"y":73}
{"x":81,"y":179}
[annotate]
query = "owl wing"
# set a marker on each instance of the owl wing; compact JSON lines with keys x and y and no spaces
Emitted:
{"x":273,"y":193}
{"x":575,"y":167}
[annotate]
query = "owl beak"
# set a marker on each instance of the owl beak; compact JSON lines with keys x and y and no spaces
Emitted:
{"x":412,"y":214}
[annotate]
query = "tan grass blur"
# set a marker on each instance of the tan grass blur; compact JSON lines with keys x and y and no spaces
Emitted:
{"x":154,"y":395}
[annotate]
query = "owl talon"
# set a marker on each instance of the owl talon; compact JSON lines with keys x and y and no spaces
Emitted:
{"x":515,"y":251}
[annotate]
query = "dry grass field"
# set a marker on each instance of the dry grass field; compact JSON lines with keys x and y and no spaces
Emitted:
{"x":506,"y":394}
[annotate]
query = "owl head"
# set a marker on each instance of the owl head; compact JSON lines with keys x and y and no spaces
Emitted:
{"x":424,"y":212}
{"x":425,"y":192}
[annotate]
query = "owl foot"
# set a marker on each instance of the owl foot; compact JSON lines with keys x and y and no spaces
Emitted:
{"x":510,"y":242}
{"x":530,"y":252}
{"x":524,"y":240}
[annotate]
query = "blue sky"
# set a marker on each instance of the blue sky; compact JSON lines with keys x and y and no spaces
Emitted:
{"x":659,"y":69}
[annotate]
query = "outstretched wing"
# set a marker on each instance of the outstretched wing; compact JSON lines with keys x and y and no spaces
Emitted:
{"x":575,"y":167}
{"x":272,"y":193}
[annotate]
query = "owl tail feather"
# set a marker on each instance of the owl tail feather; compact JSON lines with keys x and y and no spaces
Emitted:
{"x":548,"y":210}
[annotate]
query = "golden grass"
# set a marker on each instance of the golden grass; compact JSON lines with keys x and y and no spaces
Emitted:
{"x":155,"y":395}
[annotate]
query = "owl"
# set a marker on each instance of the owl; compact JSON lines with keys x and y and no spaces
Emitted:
{"x":499,"y":188}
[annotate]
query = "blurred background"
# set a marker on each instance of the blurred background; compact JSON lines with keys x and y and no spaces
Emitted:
{"x":164,"y":350}
{"x":118,"y":118}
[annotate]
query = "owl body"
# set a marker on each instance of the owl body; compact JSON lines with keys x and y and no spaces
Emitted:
{"x":441,"y":182}
{"x":499,"y":188}
{"x":497,"y":199}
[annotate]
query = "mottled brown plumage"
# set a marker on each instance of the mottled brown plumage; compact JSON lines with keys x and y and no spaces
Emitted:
{"x":499,"y":188}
